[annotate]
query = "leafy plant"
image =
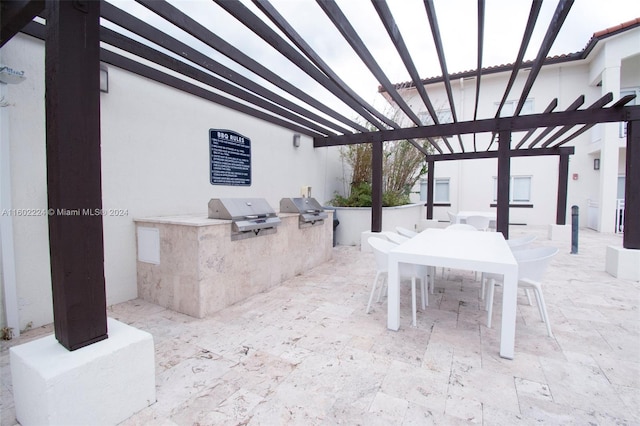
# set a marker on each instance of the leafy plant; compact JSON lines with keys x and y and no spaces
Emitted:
{"x":402,"y":166}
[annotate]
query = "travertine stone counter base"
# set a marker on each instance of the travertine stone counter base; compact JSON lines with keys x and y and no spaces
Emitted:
{"x":197,"y":269}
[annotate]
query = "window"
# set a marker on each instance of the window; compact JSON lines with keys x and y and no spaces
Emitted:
{"x":445,"y":116}
{"x":509,"y":107}
{"x":519,"y":189}
{"x":441,"y":192}
{"x":620,"y":191}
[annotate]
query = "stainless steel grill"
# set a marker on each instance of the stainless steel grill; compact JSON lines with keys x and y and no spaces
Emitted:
{"x":309,"y":210}
{"x":250,"y":216}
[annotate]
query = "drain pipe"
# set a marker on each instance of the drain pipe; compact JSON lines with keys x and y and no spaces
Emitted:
{"x":6,"y":222}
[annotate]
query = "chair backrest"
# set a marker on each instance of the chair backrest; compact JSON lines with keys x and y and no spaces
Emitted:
{"x":381,"y":254}
{"x":461,"y":227}
{"x":381,"y":251}
{"x":453,"y":218}
{"x":521,"y":241}
{"x":481,"y":223}
{"x":533,"y":263}
{"x":406,"y":232}
{"x":397,"y":238}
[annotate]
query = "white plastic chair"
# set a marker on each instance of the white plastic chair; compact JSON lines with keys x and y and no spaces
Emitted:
{"x":532,"y":265}
{"x":421,"y":270}
{"x":521,"y":242}
{"x":481,"y":223}
{"x":514,"y":244}
{"x":453,"y":218}
{"x":381,"y":250}
{"x":461,"y":227}
{"x":397,"y":238}
{"x":406,"y":232}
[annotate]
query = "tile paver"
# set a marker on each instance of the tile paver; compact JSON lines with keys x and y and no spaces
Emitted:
{"x":306,"y":353}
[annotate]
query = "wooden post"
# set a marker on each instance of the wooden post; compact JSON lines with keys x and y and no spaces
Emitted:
{"x":431,"y":171}
{"x":631,"y":238}
{"x":563,"y":181}
{"x":376,"y":187}
{"x":72,"y":79}
{"x":504,"y":176}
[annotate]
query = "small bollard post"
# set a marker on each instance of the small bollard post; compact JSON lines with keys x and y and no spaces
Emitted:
{"x":574,"y":229}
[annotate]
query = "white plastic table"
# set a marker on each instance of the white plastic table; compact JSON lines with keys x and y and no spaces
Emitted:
{"x":476,"y":251}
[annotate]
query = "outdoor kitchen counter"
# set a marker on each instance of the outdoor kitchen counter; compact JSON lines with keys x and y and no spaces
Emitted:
{"x":190,"y":264}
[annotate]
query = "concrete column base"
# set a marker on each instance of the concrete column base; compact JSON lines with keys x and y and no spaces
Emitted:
{"x":559,"y":233}
{"x":623,"y":263}
{"x":100,"y":384}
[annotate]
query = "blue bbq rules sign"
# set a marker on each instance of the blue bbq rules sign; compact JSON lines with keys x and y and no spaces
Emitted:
{"x":230,"y":158}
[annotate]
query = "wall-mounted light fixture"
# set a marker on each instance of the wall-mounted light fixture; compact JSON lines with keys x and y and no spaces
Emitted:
{"x":296,"y":140}
{"x":596,"y":164}
{"x":104,"y":78}
{"x":10,"y":76}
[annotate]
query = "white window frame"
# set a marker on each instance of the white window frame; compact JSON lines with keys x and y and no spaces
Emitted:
{"x":512,"y":180}
{"x":436,"y":193}
{"x":510,"y":105}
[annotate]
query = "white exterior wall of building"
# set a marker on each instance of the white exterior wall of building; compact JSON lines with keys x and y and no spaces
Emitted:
{"x":471,"y":181}
{"x":155,"y":162}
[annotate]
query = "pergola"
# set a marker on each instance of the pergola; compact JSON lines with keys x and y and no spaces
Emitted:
{"x":73,"y":34}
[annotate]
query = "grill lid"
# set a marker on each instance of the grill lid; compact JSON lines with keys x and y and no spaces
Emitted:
{"x":308,"y":208}
{"x":240,"y":209}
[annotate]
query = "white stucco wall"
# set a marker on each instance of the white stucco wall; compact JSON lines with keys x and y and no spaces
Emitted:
{"x":155,"y":162}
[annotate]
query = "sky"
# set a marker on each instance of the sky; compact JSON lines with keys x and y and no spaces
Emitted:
{"x":505,"y":21}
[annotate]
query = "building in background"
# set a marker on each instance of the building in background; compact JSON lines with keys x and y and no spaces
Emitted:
{"x":610,"y":62}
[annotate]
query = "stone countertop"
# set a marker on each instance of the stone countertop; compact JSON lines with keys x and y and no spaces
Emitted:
{"x":192,"y":219}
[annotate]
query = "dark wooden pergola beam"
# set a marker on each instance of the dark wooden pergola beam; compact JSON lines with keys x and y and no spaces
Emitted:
{"x":563,"y":185}
{"x":559,"y":16}
{"x":377,"y":157}
{"x":520,"y":123}
{"x":308,"y":51}
{"x":573,"y":107}
{"x":631,"y":237}
{"x":479,"y":66}
{"x":148,"y":32}
{"x":394,"y":33}
{"x":564,"y":129}
{"x":120,"y":41}
{"x":504,"y":178}
{"x":548,"y":109}
{"x":74,"y":181}
{"x":621,"y":102}
{"x":304,"y":47}
{"x":536,"y":5}
{"x":343,"y":25}
{"x":435,"y":31}
{"x":389,"y":23}
{"x":15,"y":14}
{"x":261,"y":29}
{"x":176,"y":17}
{"x":37,"y":30}
{"x":542,"y":152}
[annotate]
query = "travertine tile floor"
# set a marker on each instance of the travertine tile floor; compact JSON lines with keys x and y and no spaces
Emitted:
{"x":306,"y":353}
